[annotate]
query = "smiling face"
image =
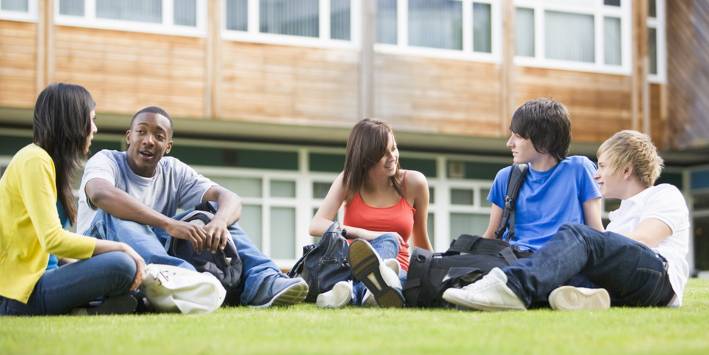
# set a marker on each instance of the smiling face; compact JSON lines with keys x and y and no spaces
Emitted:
{"x":611,"y":181}
{"x":149,"y":138}
{"x":522,"y":149}
{"x":389,"y":162}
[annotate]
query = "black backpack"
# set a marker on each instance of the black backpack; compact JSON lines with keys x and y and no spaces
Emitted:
{"x":325,"y":263}
{"x":467,"y":259}
{"x":225,"y":264}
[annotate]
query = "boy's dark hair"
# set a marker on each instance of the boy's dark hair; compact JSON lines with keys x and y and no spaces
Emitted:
{"x":151,"y":109}
{"x":546,"y":123}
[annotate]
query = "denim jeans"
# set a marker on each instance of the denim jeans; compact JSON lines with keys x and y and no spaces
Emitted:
{"x":152,"y":243}
{"x":62,"y":289}
{"x":632,"y":273}
{"x":387,"y":246}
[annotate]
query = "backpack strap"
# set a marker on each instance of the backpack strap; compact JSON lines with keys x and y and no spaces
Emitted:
{"x":517,"y":174}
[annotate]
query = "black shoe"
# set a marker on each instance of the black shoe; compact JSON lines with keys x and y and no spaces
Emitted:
{"x":115,"y":305}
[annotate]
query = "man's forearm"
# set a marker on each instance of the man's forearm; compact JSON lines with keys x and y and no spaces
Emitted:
{"x":229,"y":208}
{"x":121,"y":205}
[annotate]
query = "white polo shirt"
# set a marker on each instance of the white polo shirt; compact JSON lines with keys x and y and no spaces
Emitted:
{"x":665,"y":203}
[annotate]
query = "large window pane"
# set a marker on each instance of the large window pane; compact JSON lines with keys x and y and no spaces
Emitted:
{"x":320,"y":189}
{"x":569,"y":36}
{"x":611,"y":2}
{"x":131,"y":10}
{"x":611,"y":41}
{"x":15,"y":5}
{"x":482,"y":28}
{"x":483,"y":197}
{"x":462,"y":197}
{"x":245,"y":187}
{"x":340,"y":19}
{"x":290,"y":17}
{"x":185,"y":12}
{"x":250,"y":222}
{"x":386,"y":21}
{"x":468,"y":223}
{"x":237,"y":15}
{"x":436,"y":24}
{"x":652,"y":49}
{"x":430,"y":227}
{"x":652,"y":8}
{"x":282,"y":188}
{"x":283,"y":232}
{"x":524,"y":32}
{"x":71,"y":7}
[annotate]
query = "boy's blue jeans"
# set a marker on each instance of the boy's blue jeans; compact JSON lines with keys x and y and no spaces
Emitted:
{"x":150,"y":243}
{"x":74,"y":285}
{"x":632,"y":273}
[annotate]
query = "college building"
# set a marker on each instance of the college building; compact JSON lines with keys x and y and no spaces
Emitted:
{"x":263,"y":92}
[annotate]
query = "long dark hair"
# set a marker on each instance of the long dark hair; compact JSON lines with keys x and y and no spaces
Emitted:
{"x":366,"y":145}
{"x":61,"y":124}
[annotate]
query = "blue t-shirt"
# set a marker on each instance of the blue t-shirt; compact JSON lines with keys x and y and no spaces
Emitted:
{"x":548,"y":199}
{"x":53,"y":262}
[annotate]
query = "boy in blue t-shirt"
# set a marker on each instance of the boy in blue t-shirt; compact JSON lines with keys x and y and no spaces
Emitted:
{"x":557,"y":189}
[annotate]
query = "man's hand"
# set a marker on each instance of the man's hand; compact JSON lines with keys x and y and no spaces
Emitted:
{"x":183,"y":230}
{"x":217,"y":235}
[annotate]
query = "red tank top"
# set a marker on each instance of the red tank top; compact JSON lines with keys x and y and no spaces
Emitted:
{"x":398,"y":218}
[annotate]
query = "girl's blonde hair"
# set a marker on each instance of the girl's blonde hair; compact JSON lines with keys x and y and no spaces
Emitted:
{"x":633,"y":149}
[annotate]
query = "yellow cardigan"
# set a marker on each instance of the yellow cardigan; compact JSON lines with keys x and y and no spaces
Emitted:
{"x":29,"y":224}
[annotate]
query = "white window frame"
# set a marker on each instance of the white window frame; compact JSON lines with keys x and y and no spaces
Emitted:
{"x":659,"y":24}
{"x":402,"y":46}
{"x":252,"y":34}
{"x":29,"y":16}
{"x":167,"y":27}
{"x":599,"y":11}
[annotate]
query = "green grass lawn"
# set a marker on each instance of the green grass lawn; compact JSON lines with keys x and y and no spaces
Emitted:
{"x":307,"y":329}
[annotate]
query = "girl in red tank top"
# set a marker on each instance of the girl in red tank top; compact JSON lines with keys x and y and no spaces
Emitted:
{"x":382,"y":202}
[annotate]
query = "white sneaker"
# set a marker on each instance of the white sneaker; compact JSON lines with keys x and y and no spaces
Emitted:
{"x":382,"y":281}
{"x":570,"y":298}
{"x":368,"y":300}
{"x":338,"y":297}
{"x":490,"y":293}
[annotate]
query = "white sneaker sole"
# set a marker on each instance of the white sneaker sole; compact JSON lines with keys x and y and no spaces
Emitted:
{"x":457,"y":297}
{"x":569,"y":298}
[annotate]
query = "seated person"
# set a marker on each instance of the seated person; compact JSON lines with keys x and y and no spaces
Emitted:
{"x":385,"y":208}
{"x":35,"y":192}
{"x":557,"y":189}
{"x":639,"y":262}
{"x":131,"y":197}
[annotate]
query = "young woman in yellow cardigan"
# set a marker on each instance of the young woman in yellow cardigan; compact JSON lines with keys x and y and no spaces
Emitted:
{"x":37,"y":181}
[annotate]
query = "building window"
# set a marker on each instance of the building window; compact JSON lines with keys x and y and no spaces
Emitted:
{"x":302,"y":21}
{"x":446,"y":27}
{"x":181,"y":17}
{"x":656,"y":40}
{"x":576,"y":35}
{"x":21,"y":10}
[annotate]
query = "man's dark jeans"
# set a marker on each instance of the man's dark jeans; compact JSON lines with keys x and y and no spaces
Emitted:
{"x":632,"y":273}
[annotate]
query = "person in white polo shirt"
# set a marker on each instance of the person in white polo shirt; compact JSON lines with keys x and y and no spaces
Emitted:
{"x":638,"y":262}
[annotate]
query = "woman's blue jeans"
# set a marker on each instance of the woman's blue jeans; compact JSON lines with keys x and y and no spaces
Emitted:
{"x":74,"y":285}
{"x":633,"y":274}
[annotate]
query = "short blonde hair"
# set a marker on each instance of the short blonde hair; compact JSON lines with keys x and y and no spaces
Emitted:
{"x":633,"y":149}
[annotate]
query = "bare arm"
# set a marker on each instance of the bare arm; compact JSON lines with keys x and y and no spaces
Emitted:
{"x":495,"y":218}
{"x":592,"y":214}
{"x":418,"y":187}
{"x":328,"y":210}
{"x":651,"y":232}
{"x":102,"y":194}
{"x":228,"y":213}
